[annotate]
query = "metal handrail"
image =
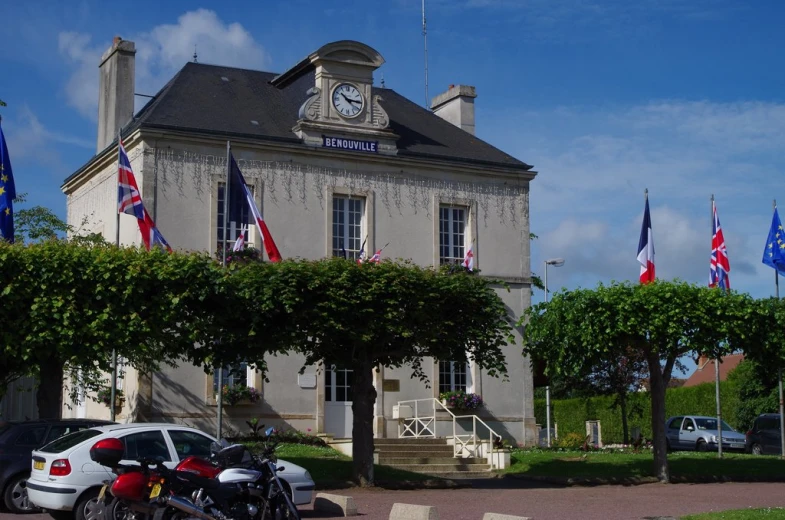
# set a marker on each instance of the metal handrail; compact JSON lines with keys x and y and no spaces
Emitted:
{"x":459,"y":445}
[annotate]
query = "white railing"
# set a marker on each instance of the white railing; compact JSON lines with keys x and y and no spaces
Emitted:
{"x":422,"y":424}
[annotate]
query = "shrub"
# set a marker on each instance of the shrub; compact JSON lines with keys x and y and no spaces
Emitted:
{"x":571,"y":441}
{"x":290,"y":436}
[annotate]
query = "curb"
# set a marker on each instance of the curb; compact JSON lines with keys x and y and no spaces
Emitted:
{"x":400,"y":485}
{"x":637,"y":481}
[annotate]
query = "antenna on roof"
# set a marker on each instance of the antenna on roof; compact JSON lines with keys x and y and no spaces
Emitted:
{"x":425,"y":47}
{"x":195,"y":61}
{"x":382,"y":79}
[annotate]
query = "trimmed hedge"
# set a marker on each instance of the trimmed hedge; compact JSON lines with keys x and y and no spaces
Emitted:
{"x":571,"y":414}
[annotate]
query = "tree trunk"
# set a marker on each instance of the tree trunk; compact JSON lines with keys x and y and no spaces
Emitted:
{"x":364,"y":397}
{"x":657,"y":391}
{"x":49,"y":395}
{"x":624,"y":426}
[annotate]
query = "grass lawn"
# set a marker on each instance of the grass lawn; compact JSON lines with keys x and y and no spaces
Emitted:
{"x":772,"y":513}
{"x":330,"y":468}
{"x":625,"y":465}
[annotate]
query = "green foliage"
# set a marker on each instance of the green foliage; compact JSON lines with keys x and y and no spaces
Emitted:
{"x":461,"y":400}
{"x":660,"y":322}
{"x":570,"y":441}
{"x":40,"y":223}
{"x":571,"y":414}
{"x":104,"y":395}
{"x":283,"y":435}
{"x":755,"y":393}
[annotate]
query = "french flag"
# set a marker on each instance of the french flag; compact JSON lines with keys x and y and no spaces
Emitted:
{"x":269,"y":245}
{"x":646,"y":247}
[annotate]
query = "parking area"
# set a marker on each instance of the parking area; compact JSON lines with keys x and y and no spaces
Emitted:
{"x":542,"y":502}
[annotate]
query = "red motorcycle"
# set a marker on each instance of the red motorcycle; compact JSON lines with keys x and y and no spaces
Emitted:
{"x":135,"y":489}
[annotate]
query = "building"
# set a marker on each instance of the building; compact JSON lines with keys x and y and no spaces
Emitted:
{"x":705,"y":370}
{"x":333,"y":161}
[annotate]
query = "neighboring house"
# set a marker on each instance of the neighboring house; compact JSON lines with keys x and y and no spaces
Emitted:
{"x":332,"y":160}
{"x":705,"y":373}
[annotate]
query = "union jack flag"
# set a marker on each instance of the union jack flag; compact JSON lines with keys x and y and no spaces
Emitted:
{"x":720,"y":265}
{"x":129,"y":200}
{"x":377,"y":257}
{"x":151,"y":236}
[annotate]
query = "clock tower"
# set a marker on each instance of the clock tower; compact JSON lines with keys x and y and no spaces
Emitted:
{"x":341,"y":110}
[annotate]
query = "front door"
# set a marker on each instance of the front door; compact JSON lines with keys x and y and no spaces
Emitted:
{"x":688,"y":436}
{"x":338,"y":402}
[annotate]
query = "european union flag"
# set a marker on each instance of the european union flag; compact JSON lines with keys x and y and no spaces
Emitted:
{"x":774,"y":252}
{"x":7,"y":193}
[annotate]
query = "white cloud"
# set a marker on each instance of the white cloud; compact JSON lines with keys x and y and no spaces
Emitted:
{"x":587,"y":201}
{"x":31,"y":140}
{"x":160,"y":53}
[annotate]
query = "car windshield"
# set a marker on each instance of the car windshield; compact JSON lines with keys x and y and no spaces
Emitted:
{"x":711,"y":424}
{"x":69,"y":441}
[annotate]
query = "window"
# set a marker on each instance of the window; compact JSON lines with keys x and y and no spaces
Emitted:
{"x":452,"y":234}
{"x":32,"y":436}
{"x":145,"y":444}
{"x":190,"y":443}
{"x":67,"y":442}
{"x":338,"y":384}
{"x":348,"y":225}
{"x":452,"y":376}
{"x":688,"y":423}
{"x":675,"y":423}
{"x":233,"y":375}
{"x":239,"y":211}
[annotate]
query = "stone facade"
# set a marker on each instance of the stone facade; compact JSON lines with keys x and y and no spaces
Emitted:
{"x":296,"y":186}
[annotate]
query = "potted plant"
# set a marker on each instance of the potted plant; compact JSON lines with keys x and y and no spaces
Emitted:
{"x":104,"y":395}
{"x":460,"y":400}
{"x":235,"y":394}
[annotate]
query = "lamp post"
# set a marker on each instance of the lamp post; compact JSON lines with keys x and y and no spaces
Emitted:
{"x":555,"y":262}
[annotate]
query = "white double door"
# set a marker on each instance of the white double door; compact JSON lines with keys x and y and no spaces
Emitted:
{"x":338,"y":402}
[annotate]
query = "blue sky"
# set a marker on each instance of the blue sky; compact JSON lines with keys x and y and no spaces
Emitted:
{"x":604,"y":98}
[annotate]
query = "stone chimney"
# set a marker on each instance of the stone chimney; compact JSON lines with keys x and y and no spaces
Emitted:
{"x":115,"y":90}
{"x":456,"y":106}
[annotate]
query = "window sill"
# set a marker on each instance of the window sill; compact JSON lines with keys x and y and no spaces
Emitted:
{"x":210,"y":401}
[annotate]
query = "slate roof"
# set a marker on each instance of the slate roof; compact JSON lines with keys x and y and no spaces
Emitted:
{"x":224,"y":100}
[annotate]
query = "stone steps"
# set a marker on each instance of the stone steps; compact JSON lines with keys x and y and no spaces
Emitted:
{"x":430,"y":457}
{"x":396,"y":461}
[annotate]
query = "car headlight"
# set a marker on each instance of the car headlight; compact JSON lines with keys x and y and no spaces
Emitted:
{"x":308,"y":475}
{"x":713,"y":438}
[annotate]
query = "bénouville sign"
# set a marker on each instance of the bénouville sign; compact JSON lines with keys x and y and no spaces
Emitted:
{"x":355,"y":145}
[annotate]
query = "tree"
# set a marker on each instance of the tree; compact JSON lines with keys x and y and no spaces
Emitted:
{"x":360,"y":317}
{"x":660,"y":321}
{"x":67,"y":306}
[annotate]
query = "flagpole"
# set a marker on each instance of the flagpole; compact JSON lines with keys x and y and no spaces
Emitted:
{"x":716,"y":357}
{"x":779,"y":372}
{"x":219,"y":393}
{"x":113,"y":391}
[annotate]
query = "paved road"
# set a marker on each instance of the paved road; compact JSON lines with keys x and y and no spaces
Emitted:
{"x":542,"y":502}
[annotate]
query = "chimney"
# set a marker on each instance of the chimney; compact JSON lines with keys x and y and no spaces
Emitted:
{"x":456,"y":106}
{"x":115,"y":90}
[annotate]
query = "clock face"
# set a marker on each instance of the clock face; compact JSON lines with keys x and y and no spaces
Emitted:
{"x":347,"y":100}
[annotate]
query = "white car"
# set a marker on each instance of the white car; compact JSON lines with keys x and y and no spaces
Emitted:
{"x":65,"y":481}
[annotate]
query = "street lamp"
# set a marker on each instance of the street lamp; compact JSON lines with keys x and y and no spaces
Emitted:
{"x":555,"y":262}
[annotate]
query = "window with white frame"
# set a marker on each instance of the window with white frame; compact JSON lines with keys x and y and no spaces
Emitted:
{"x":239,"y":374}
{"x":348,"y":225}
{"x":454,"y":376}
{"x":238,"y":210}
{"x":452,"y":233}
{"x":338,"y":384}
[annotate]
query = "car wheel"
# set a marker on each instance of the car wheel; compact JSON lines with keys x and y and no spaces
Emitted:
{"x":756,"y":449}
{"x":702,"y":446}
{"x":15,"y":496}
{"x":89,"y":507}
